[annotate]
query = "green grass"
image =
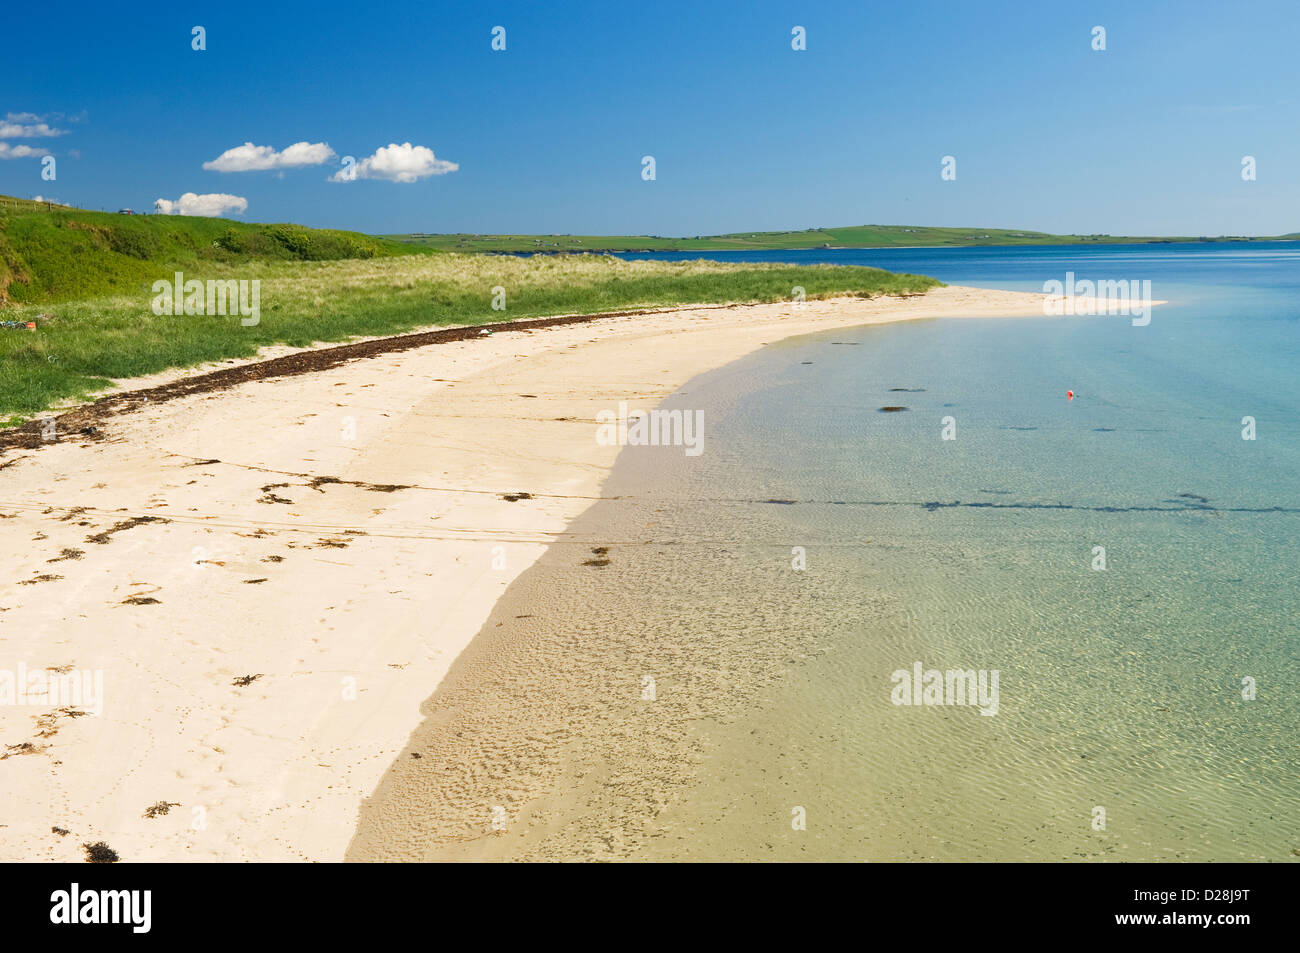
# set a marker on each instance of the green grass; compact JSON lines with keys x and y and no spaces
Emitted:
{"x":80,"y":344}
{"x":862,"y":236}
{"x":67,"y":254}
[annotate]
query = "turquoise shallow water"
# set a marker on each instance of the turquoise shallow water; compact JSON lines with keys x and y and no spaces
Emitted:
{"x":1119,"y":689}
{"x":719,"y":682}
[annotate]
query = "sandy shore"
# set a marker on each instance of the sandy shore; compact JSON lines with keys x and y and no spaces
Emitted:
{"x":270,"y":579}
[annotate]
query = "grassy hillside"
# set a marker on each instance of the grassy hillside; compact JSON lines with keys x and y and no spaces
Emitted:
{"x":862,"y":236}
{"x":85,"y":280}
{"x":62,"y":254}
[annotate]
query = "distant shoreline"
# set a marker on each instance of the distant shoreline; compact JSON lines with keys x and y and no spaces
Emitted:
{"x":854,"y":239}
{"x":685,"y":251}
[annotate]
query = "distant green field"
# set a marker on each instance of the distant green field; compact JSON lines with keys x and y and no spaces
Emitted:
{"x":861,"y":236}
{"x":85,"y":280}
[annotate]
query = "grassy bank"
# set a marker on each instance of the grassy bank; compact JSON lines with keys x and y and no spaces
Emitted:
{"x":80,"y":344}
{"x":50,"y":254}
{"x":862,"y":236}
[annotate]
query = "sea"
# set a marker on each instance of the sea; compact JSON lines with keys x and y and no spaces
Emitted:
{"x":1043,"y":608}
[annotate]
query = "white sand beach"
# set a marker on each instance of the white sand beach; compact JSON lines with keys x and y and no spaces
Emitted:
{"x":331,"y":541}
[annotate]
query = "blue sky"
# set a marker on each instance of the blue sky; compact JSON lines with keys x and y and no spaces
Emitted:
{"x":1146,"y":137}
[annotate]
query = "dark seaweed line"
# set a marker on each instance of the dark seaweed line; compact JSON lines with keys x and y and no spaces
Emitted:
{"x":87,"y":420}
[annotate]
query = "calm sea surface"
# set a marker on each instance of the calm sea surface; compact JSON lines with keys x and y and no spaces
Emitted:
{"x":1125,"y":561}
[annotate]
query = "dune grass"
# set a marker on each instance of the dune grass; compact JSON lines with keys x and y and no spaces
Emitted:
{"x":80,"y":345}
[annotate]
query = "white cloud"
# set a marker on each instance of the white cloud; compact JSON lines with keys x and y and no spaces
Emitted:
{"x":48,"y":117}
{"x":208,"y":206}
{"x":20,"y":152}
{"x":251,"y":158}
{"x":23,"y":126}
{"x":404,"y":163}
